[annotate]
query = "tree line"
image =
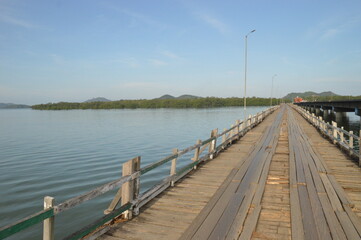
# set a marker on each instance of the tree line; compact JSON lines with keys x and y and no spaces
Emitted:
{"x":208,"y":102}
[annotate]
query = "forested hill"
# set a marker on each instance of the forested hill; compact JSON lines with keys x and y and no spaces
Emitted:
{"x":208,"y":102}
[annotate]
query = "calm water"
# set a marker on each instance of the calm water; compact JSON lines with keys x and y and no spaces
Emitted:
{"x":66,"y":153}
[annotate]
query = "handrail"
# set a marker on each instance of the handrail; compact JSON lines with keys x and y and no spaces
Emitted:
{"x":236,"y":131}
{"x":334,"y":133}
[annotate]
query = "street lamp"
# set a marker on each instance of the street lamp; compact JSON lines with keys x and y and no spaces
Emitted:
{"x":245,"y":73}
{"x":272,"y":88}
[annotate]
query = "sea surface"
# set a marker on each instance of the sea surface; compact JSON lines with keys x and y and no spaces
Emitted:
{"x":66,"y":153}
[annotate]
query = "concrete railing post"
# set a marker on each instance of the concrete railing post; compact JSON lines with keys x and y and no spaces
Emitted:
{"x":237,"y":128}
{"x":342,"y":138}
{"x":48,"y":228}
{"x":196,"y":153}
{"x":212,"y":146}
{"x":359,"y":148}
{"x":334,"y":132}
{"x":350,"y":143}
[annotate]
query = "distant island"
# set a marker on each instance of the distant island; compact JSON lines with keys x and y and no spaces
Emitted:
{"x":185,"y":96}
{"x":98,"y":99}
{"x":13,"y":105}
{"x":323,"y":96}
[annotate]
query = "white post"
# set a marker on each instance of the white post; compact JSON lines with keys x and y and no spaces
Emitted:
{"x":342,"y":138}
{"x":212,"y":146}
{"x":334,"y":132}
{"x":350,"y":143}
{"x":48,"y":229}
{"x":196,"y":153}
{"x":359,"y":148}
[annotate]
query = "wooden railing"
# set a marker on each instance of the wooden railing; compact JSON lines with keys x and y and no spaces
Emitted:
{"x":129,"y":184}
{"x":348,"y":141}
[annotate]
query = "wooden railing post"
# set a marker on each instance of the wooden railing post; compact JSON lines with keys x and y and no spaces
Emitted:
{"x":48,"y":228}
{"x":350,"y":143}
{"x":196,"y":153}
{"x":129,"y":189}
{"x":224,"y":137}
{"x":212,"y":146}
{"x":173,"y":168}
{"x":118,"y":196}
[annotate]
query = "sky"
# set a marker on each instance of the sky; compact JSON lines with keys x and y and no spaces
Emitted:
{"x":74,"y":50}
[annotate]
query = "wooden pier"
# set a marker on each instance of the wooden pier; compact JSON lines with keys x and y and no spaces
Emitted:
{"x":280,"y":175}
{"x":282,"y":180}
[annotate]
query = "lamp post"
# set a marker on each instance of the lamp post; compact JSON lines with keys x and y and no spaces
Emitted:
{"x":245,"y":74}
{"x":272,"y":89}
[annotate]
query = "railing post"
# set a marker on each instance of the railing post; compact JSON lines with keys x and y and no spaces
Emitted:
{"x":237,"y":128}
{"x":196,"y":153}
{"x":350,"y":143}
{"x":213,"y":144}
{"x":173,"y":168}
{"x":242,"y":127}
{"x":224,"y":137}
{"x":48,"y":229}
{"x":129,"y":188}
{"x":359,"y":148}
{"x":334,"y":132}
{"x":342,"y":138}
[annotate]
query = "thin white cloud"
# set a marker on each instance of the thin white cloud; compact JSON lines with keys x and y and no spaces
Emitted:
{"x":130,"y":62}
{"x":17,"y":22}
{"x":157,"y":62}
{"x":136,"y":17}
{"x":170,"y":54}
{"x":329,"y":33}
{"x":214,"y":22}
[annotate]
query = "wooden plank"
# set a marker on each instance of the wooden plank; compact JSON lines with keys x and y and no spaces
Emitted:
{"x":188,"y":234}
{"x":347,"y":225}
{"x":334,"y":199}
{"x":224,"y":223}
{"x":335,"y":226}
{"x":356,"y":221}
{"x":250,"y":224}
{"x":296,"y":215}
{"x":317,"y":210}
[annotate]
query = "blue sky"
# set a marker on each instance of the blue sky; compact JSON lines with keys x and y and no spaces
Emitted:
{"x":53,"y":51}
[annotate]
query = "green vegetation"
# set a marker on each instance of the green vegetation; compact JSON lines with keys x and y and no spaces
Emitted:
{"x":309,"y":94}
{"x":209,"y":102}
{"x":331,"y":98}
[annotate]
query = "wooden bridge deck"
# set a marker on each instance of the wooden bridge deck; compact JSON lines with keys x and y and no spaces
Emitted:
{"x":280,"y":181}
